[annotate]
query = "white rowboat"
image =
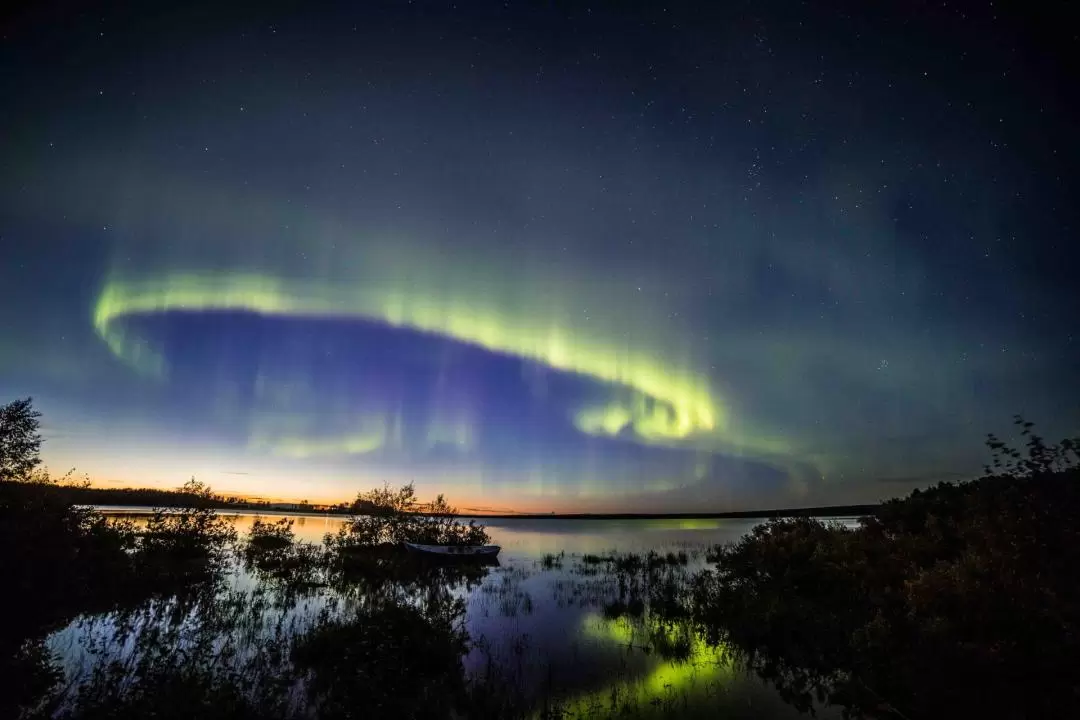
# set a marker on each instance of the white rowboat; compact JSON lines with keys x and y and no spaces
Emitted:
{"x":488,"y":551}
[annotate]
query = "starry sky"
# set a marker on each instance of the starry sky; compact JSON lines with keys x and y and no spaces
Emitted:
{"x":556,"y":256}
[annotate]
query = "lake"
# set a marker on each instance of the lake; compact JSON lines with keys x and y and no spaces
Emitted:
{"x":553,"y":618}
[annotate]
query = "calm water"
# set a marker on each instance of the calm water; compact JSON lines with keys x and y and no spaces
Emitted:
{"x":544,"y":623}
{"x":531,"y":539}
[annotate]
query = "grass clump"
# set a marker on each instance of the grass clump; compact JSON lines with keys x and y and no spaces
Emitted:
{"x":551,"y":561}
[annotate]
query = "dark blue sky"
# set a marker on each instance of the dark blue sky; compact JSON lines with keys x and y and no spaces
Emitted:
{"x":539,"y":255}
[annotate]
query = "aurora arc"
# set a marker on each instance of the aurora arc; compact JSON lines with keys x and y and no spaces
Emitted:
{"x":665,"y":404}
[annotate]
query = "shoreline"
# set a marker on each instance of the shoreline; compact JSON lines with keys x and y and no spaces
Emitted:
{"x":147,"y":498}
{"x":825,"y":511}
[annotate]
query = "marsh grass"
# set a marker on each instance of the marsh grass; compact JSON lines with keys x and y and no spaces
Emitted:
{"x":956,"y":599}
{"x":616,"y":665}
{"x":62,"y":560}
{"x":376,"y":633}
{"x":240,"y":654}
{"x":552,"y":561}
{"x":178,"y":617}
{"x":376,"y":644}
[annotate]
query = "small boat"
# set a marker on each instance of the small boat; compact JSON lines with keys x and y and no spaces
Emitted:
{"x":477,"y":551}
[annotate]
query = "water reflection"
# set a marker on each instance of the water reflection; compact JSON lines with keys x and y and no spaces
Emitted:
{"x":588,"y":639}
{"x":684,"y":670}
{"x":533,"y":538}
{"x":568,"y":624}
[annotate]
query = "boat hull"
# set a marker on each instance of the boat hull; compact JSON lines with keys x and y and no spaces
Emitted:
{"x":460,"y":551}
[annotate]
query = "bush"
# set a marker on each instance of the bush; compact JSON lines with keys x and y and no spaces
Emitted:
{"x":188,"y":542}
{"x":393,"y":516}
{"x":391,"y":660}
{"x":59,"y":558}
{"x":267,"y":536}
{"x":57,"y":561}
{"x":382,"y":659}
{"x":959,"y":600}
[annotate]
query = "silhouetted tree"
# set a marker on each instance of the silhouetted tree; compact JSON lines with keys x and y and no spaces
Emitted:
{"x":20,"y":439}
{"x":391,"y":516}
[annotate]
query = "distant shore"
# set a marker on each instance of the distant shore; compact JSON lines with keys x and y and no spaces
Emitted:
{"x":147,"y":497}
{"x":826,"y":511}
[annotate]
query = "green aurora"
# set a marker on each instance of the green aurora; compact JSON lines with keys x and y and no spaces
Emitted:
{"x":707,"y":271}
{"x":667,"y":405}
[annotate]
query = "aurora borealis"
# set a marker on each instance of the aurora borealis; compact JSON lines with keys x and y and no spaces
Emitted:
{"x":537,"y":256}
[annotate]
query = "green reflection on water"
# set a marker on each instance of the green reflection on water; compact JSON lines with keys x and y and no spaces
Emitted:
{"x":684,"y":665}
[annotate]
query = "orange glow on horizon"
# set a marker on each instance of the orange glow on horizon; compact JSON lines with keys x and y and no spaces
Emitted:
{"x":466,"y":505}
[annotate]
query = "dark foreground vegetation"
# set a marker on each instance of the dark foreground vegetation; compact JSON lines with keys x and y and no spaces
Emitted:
{"x":958,"y":601}
{"x":183,"y":643}
{"x":389,"y":646}
{"x":61,"y":560}
{"x":962,"y":600}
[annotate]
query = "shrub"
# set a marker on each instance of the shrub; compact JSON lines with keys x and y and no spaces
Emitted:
{"x":393,"y":516}
{"x":391,"y":660}
{"x":958,"y":600}
{"x":267,"y":536}
{"x":188,"y":542}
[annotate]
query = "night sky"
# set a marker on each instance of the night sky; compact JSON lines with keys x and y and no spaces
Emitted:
{"x":539,"y":256}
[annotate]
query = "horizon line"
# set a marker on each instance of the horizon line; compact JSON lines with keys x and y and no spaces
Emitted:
{"x":506,"y":513}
